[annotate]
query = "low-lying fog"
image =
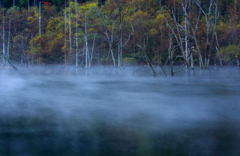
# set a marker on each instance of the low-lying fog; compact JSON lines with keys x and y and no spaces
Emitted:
{"x":64,"y":111}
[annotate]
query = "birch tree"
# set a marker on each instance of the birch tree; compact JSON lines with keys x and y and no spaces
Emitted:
{"x":76,"y":5}
{"x":70,"y":34}
{"x":40,"y":32}
{"x":109,"y":37}
{"x":209,"y":23}
{"x":192,"y":35}
{"x":86,"y":42}
{"x":121,"y":14}
{"x":3,"y":37}
{"x":65,"y":34}
{"x":218,"y":50}
{"x":32,"y":48}
{"x":9,"y":34}
{"x":144,"y":49}
{"x":91,"y":55}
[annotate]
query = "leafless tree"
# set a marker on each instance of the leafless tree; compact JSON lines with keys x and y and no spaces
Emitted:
{"x":76,"y":5}
{"x":109,"y":37}
{"x":209,"y":23}
{"x":121,"y":16}
{"x":70,"y":33}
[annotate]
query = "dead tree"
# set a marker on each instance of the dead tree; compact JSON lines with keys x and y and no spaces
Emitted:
{"x":86,"y":42}
{"x":192,"y":34}
{"x":109,"y":38}
{"x":76,"y":5}
{"x":218,"y":50}
{"x":144,"y":48}
{"x":171,"y":50}
{"x":121,"y":16}
{"x":91,"y":55}
{"x":70,"y":33}
{"x":209,"y":42}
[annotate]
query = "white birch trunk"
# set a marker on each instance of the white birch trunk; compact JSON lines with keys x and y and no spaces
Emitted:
{"x":32,"y":48}
{"x":86,"y":42}
{"x":70,"y":33}
{"x":76,"y":33}
{"x":186,"y":40}
{"x":40,"y":33}
{"x":120,"y":40}
{"x":65,"y":31}
{"x":109,"y":39}
{"x":91,"y":57}
{"x":3,"y":38}
{"x":9,"y":34}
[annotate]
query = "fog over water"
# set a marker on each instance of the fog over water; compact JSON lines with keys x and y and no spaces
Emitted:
{"x":56,"y":110}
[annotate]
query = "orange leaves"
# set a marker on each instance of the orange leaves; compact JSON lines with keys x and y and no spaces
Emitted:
{"x":46,"y":4}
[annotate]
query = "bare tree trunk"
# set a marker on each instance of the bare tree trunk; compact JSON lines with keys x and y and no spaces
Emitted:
{"x":70,"y":32}
{"x":10,"y":64}
{"x":208,"y":26}
{"x":217,"y":48}
{"x":91,"y":57}
{"x":194,"y":34}
{"x":65,"y":33}
{"x":40,"y":33}
{"x":13,"y":2}
{"x":170,"y":54}
{"x":238,"y":63}
{"x":120,"y":40}
{"x":109,"y":39}
{"x":86,"y":42}
{"x":110,"y":44}
{"x":9,"y":34}
{"x":32,"y":49}
{"x":76,"y":33}
{"x":213,"y":33}
{"x":121,"y":20}
{"x":24,"y":56}
{"x":144,"y":48}
{"x":40,"y":18}
{"x":3,"y":37}
{"x":186,"y":40}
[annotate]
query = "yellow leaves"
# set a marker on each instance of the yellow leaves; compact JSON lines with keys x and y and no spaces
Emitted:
{"x":30,"y":18}
{"x":49,"y":25}
{"x":35,"y":39}
{"x":140,"y":14}
{"x":159,"y":18}
{"x":230,"y":52}
{"x":153,"y":31}
{"x":36,"y":13}
{"x":88,"y":6}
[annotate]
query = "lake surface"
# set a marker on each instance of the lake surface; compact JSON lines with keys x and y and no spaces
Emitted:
{"x":60,"y":111}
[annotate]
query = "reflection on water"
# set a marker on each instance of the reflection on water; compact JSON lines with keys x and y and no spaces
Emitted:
{"x":107,"y":112}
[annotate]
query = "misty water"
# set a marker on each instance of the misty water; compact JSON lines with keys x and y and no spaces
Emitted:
{"x":64,"y":111}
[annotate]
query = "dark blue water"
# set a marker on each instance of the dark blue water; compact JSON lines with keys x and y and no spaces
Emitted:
{"x":59,"y":111}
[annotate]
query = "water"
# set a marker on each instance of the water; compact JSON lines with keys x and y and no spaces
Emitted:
{"x":58,"y":111}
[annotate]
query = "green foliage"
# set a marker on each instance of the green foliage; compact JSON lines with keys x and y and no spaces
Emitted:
{"x":148,"y":20}
{"x":128,"y":61}
{"x":230,"y":53}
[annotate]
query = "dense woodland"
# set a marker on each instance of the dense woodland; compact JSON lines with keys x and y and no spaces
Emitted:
{"x":120,"y":32}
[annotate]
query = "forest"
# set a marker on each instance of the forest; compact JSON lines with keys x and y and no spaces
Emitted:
{"x":120,"y":33}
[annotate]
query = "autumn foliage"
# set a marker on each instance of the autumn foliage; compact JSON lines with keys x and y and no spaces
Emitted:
{"x":149,"y":19}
